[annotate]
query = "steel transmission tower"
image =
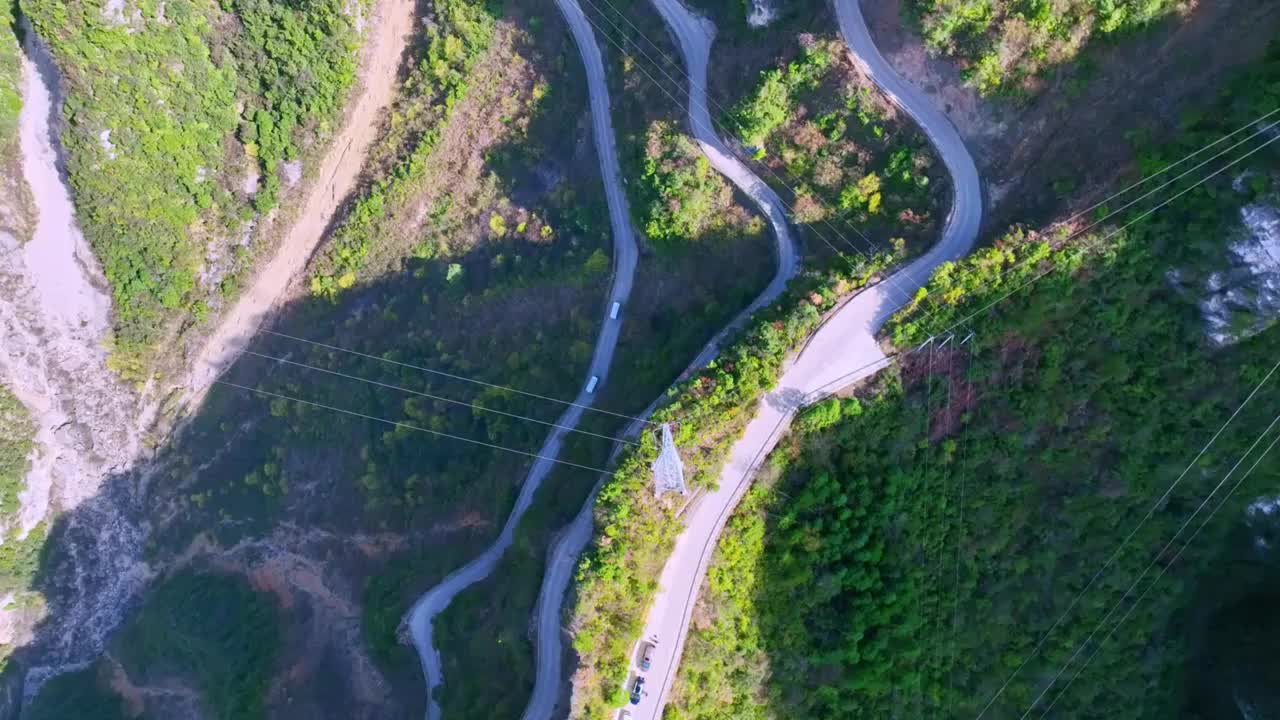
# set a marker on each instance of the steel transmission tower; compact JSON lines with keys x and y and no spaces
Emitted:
{"x":668,"y":471}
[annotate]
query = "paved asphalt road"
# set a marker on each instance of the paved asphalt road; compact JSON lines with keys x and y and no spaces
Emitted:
{"x":841,"y":352}
{"x":695,"y":44}
{"x":435,"y":600}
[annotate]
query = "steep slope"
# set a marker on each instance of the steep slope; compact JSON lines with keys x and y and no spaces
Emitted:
{"x":1009,"y":521}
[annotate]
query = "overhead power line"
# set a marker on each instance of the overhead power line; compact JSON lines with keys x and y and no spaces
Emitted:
{"x":411,"y":391}
{"x":817,"y":394}
{"x":1115,"y":554}
{"x":1053,"y":681}
{"x":1165,"y":568}
{"x":840,"y":379}
{"x":407,"y":426}
{"x":452,"y":376}
{"x":1141,"y":216}
{"x":713,"y":103}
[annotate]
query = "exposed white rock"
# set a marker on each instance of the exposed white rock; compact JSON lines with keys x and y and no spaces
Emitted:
{"x":54,"y":325}
{"x":291,"y":172}
{"x":104,"y":139}
{"x":1244,"y":299}
{"x":762,"y":13}
{"x":249,"y":183}
{"x":1261,"y":516}
{"x":113,"y":12}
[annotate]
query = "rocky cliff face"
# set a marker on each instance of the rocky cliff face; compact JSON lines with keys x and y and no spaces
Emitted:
{"x":1244,"y":299}
{"x":54,"y":330}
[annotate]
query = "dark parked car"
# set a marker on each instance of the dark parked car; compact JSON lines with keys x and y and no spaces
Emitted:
{"x":637,"y":690}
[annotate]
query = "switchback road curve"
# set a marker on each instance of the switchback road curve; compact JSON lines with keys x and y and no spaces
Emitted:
{"x":843,"y":351}
{"x":435,"y":600}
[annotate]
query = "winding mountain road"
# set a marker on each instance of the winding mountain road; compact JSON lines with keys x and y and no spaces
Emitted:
{"x":843,"y":351}
{"x":625,"y":253}
{"x":695,"y":37}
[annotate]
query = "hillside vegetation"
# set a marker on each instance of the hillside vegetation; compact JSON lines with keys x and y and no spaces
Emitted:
{"x":923,"y":536}
{"x":211,"y":632}
{"x":1005,"y":45}
{"x":15,"y":196}
{"x":180,"y":116}
{"x":10,"y":81}
{"x":854,"y":172}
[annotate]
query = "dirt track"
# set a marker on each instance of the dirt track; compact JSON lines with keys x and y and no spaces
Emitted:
{"x":277,"y":280}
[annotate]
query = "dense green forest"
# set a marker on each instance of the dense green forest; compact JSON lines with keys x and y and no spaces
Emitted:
{"x":77,"y":694}
{"x":1005,"y":44}
{"x":681,"y":198}
{"x":211,"y":632}
{"x":918,"y":540}
{"x":172,"y":110}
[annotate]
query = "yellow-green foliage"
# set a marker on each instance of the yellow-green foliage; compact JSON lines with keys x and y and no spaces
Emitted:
{"x":18,"y":555}
{"x":10,"y":82}
{"x":1006,"y":41}
{"x":461,"y":32}
{"x":617,"y":577}
{"x":771,"y":105}
{"x":681,"y":197}
{"x":16,"y":433}
{"x":157,"y":94}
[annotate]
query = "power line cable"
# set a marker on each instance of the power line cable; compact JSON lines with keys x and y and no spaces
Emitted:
{"x":1075,"y":234}
{"x":825,"y":390}
{"x":1151,"y":564}
{"x":452,"y":376}
{"x":1167,"y":168}
{"x":960,"y":527}
{"x":407,"y":426}
{"x":1141,"y":216}
{"x":411,"y":391}
{"x":1035,"y":651}
{"x":648,"y":422}
{"x":712,"y":101}
{"x":924,"y":485}
{"x":1183,"y":174}
{"x":712,"y":130}
{"x":1165,"y":568}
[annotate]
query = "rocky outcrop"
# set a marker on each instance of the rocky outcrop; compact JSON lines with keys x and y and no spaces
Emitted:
{"x":1243,"y":299}
{"x":54,"y":331}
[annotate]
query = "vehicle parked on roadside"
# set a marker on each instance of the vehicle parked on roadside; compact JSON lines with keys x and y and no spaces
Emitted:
{"x":637,"y":691}
{"x":646,"y":655}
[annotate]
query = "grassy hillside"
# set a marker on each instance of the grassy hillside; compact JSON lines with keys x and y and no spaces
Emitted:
{"x":10,"y":80}
{"x":180,"y":116}
{"x":1004,"y":45}
{"x":15,"y":196}
{"x":922,"y":537}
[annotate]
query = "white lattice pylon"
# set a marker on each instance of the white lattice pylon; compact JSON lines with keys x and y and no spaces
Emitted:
{"x":668,"y":471}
